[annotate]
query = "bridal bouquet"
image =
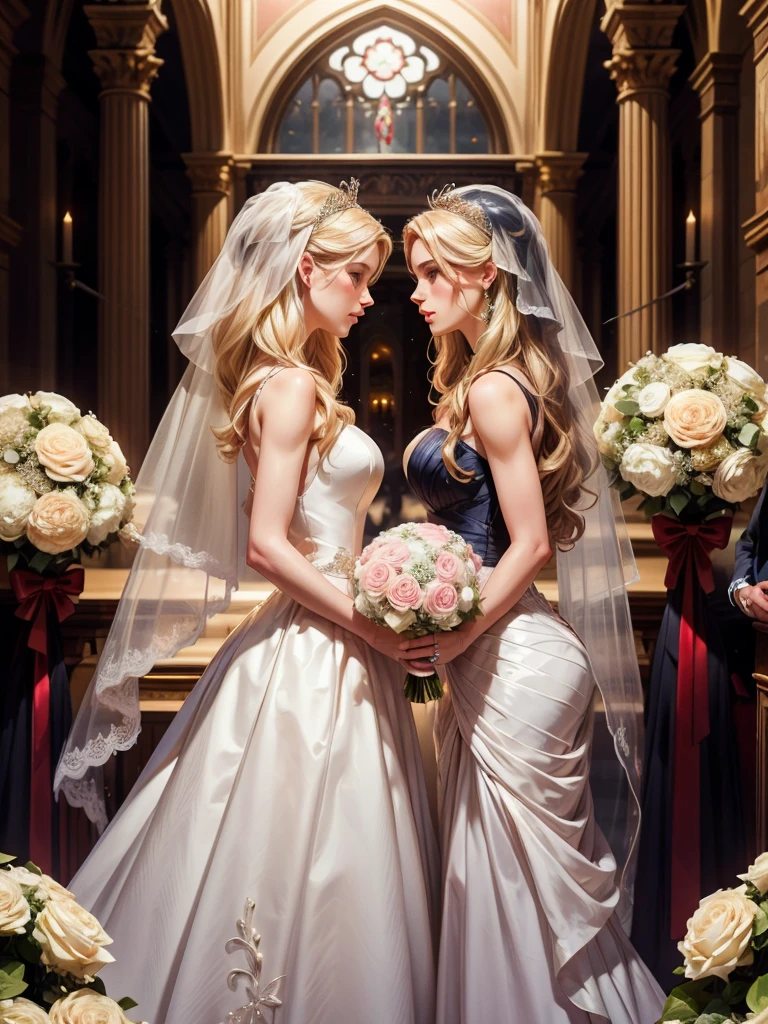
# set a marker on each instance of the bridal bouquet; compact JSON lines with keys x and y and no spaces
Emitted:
{"x":418,"y":579}
{"x":51,"y":949}
{"x":687,"y":430}
{"x":64,"y":482}
{"x":725,"y":953}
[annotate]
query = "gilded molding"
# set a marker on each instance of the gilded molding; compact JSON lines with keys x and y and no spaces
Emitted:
{"x":559,"y":172}
{"x":210,"y":173}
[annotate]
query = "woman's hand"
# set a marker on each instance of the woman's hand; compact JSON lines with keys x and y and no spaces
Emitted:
{"x":380,"y":638}
{"x":416,"y":654}
{"x":753,"y":601}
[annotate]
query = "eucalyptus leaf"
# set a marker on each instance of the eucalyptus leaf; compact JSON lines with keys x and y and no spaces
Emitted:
{"x":39,"y":563}
{"x":757,"y":996}
{"x":679,"y":501}
{"x":12,"y":560}
{"x":761,"y":922}
{"x":98,"y":985}
{"x":678,"y":1009}
{"x":714,"y":1018}
{"x":749,"y":403}
{"x":652,"y":506}
{"x":11,"y":985}
{"x":31,"y":866}
{"x":679,"y":970}
{"x":636,"y":425}
{"x":6,"y":858}
{"x":696,"y":488}
{"x":126,"y":1003}
{"x":704,"y":500}
{"x":749,"y":434}
{"x":627,"y":407}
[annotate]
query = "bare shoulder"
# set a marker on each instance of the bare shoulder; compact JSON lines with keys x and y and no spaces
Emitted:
{"x":288,"y":397}
{"x":496,"y":404}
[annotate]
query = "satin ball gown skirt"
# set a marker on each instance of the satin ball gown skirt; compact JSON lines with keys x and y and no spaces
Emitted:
{"x":292,"y":775}
{"x":529,"y":892}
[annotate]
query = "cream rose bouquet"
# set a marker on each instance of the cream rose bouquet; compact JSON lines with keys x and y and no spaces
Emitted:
{"x":51,"y":950}
{"x":65,"y":486}
{"x":725,"y":954}
{"x":686,"y":430}
{"x":418,"y":579}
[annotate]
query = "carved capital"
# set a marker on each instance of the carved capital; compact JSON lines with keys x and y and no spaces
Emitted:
{"x":633,"y":26}
{"x":209,"y":173}
{"x":716,"y":80}
{"x":125,"y":37}
{"x":641,"y":71}
{"x":559,"y":172}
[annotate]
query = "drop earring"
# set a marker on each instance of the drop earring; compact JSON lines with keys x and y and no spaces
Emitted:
{"x":487,"y":313}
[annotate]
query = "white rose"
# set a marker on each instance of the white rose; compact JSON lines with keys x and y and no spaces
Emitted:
{"x":649,"y":467}
{"x":693,"y":357}
{"x":58,"y":522}
{"x":609,"y":413}
{"x":46,"y":888}
{"x":466,"y":599}
{"x":719,"y":935}
{"x":653,"y":398}
{"x":606,"y":435}
{"x":400,"y":621}
{"x":71,"y":939}
{"x":16,"y":502}
{"x":758,"y":1018}
{"x":22,"y":1011}
{"x":64,"y":453}
{"x":740,"y":475}
{"x":86,"y":1006}
{"x":362,"y":604}
{"x":106,"y":518}
{"x":115,"y":461}
{"x":757,"y":874}
{"x":746,"y":378}
{"x":14,"y":909}
{"x":95,"y":433}
{"x":62,"y":410}
{"x":15,"y":402}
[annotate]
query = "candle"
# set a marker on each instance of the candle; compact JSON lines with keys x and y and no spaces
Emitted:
{"x":66,"y":239}
{"x":690,"y":238}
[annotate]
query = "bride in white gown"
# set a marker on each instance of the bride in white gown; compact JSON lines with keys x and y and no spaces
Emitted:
{"x":292,"y":775}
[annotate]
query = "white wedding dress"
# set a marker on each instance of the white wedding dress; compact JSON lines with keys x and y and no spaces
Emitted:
{"x":292,"y":776}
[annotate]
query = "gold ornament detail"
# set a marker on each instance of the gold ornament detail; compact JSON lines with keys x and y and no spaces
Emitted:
{"x":446,"y":199}
{"x":705,"y":459}
{"x":344,"y":198}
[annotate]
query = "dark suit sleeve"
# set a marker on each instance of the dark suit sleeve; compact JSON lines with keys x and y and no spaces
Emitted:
{"x":746,"y":546}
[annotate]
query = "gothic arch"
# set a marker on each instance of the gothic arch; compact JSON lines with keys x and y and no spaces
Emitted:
{"x":483,"y":63}
{"x":201,"y":53}
{"x":566,"y":49}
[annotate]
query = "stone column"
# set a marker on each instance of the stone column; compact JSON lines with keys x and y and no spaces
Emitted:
{"x":716,"y":80}
{"x":558,"y":175}
{"x":756,"y":228}
{"x":35,"y":88}
{"x":12,"y":14}
{"x":126,"y":64}
{"x":211,"y":186}
{"x":642,"y":65}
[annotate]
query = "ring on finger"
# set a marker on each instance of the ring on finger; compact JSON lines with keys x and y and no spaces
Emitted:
{"x":435,"y":656}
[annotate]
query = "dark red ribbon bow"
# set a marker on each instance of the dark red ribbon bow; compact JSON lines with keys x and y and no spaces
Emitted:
{"x":688,"y":548}
{"x":37,"y":596}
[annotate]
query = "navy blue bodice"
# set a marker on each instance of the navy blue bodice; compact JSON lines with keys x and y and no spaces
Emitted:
{"x":470,"y":509}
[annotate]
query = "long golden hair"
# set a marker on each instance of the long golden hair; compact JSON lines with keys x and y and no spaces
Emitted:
{"x":246,"y":342}
{"x":565,"y":459}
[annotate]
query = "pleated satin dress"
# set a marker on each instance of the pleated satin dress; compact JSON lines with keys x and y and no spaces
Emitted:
{"x":292,"y":776}
{"x":528,"y":929}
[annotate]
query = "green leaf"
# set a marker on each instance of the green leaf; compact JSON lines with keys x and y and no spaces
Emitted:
{"x":636,"y":425}
{"x":686,"y":1002}
{"x":126,"y":1003}
{"x":696,"y":488}
{"x":761,"y":922}
{"x":39,"y":563}
{"x":678,"y":501}
{"x":6,"y":858}
{"x":735,"y":992}
{"x":749,"y":434}
{"x":677,"y":1009}
{"x":704,"y":500}
{"x":757,"y":996}
{"x":28,"y":950}
{"x":12,"y":985}
{"x":99,"y":986}
{"x":679,"y":970}
{"x":12,"y":560}
{"x":31,"y":866}
{"x":651,"y":507}
{"x":627,"y":407}
{"x":749,"y":403}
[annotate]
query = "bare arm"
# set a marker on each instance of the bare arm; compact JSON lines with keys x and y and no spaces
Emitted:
{"x":501,"y":421}
{"x":283,"y":440}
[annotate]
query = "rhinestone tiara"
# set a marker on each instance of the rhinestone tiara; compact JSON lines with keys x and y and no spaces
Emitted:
{"x":344,"y":198}
{"x":445,"y":199}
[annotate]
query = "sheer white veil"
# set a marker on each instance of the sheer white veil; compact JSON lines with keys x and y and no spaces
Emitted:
{"x":592,"y":577}
{"x":192,"y":531}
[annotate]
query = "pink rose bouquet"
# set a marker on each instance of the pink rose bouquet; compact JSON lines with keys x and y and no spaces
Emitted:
{"x":418,"y":579}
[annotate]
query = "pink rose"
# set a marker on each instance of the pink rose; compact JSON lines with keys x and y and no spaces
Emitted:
{"x":396,"y":552}
{"x":404,"y":592}
{"x":376,"y":577}
{"x":476,"y":560}
{"x":440,"y":599}
{"x":433,"y":533}
{"x":448,"y":567}
{"x":369,"y":551}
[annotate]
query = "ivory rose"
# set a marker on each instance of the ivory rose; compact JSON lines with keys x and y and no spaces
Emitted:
{"x":376,"y":577}
{"x":404,"y":592}
{"x":649,"y":468}
{"x":695,"y":418}
{"x":433,"y":533}
{"x":64,"y":453}
{"x":400,"y":621}
{"x":466,"y":599}
{"x":653,"y":399}
{"x":606,"y":435}
{"x":86,"y":1006}
{"x":395,"y":552}
{"x":440,"y":600}
{"x":71,"y":939}
{"x":14,"y":402}
{"x":609,"y":413}
{"x":740,"y":475}
{"x":14,"y":909}
{"x":719,"y":935}
{"x":747,"y":379}
{"x":22,"y":1011}
{"x":58,"y":522}
{"x":757,"y":874}
{"x":448,"y":568}
{"x":16,"y":502}
{"x":46,"y":888}
{"x":115,"y":462}
{"x":95,"y":433}
{"x":61,"y":409}
{"x":693,"y":357}
{"x":108,"y":514}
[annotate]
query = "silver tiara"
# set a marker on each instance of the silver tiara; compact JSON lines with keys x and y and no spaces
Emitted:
{"x":344,"y":198}
{"x":446,"y":199}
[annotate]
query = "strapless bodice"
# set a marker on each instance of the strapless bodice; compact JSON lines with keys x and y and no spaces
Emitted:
{"x":329,"y":518}
{"x":471,"y":509}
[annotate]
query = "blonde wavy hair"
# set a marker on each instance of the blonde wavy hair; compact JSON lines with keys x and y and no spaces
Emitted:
{"x":247,"y":342}
{"x":565,"y":456}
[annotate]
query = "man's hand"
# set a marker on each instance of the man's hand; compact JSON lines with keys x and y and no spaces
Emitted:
{"x":753,"y":601}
